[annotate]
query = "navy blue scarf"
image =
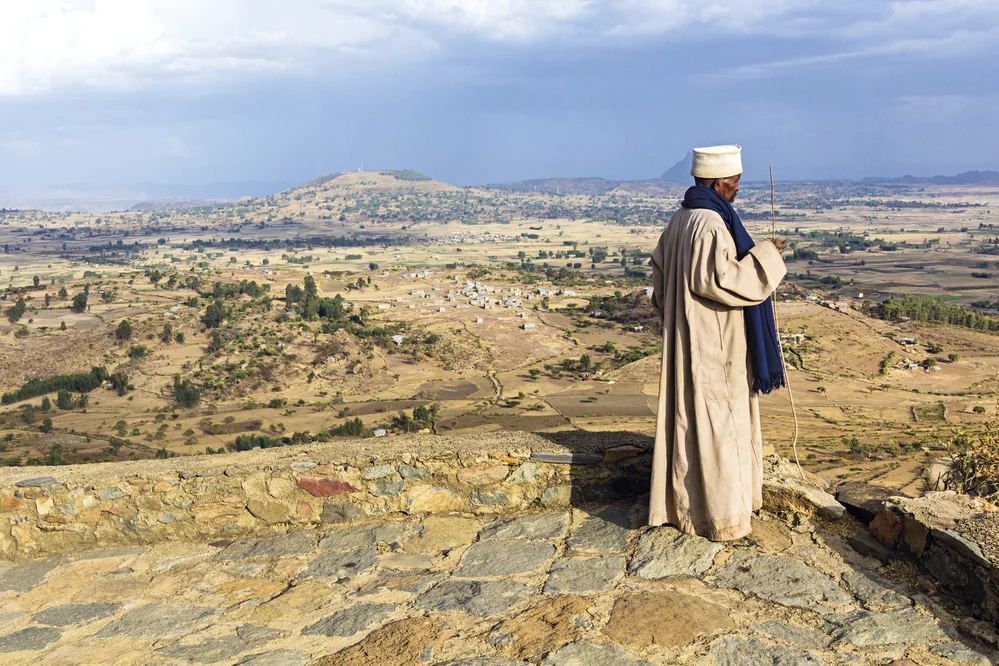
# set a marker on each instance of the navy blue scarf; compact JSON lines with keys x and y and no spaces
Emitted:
{"x":761,"y":331}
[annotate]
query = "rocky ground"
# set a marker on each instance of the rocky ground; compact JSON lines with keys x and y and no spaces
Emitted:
{"x":557,"y":588}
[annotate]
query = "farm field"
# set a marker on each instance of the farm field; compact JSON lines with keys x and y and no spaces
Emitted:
{"x":385,"y":301}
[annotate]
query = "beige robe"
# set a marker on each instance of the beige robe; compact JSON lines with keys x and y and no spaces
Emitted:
{"x":707,"y":467}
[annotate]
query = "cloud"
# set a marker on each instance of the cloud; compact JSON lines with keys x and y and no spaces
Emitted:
{"x":55,"y":45}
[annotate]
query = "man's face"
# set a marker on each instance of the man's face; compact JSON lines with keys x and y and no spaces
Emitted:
{"x":728,"y":187}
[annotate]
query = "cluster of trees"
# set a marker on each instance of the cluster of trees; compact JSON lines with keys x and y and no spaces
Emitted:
{"x":78,"y":383}
{"x":247,"y":442}
{"x":350,"y":428}
{"x":932,"y":309}
{"x":423,"y":417}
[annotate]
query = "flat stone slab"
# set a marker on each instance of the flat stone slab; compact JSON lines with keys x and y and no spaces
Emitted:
{"x":780,"y":579}
{"x":275,"y":658}
{"x":901,"y":626}
{"x":362,"y":535}
{"x":540,"y":526}
{"x":403,"y":581}
{"x":349,"y":621}
{"x":23,"y":577}
{"x":9,"y":618}
{"x":503,"y":558}
{"x":483,"y":661}
{"x":341,"y":566}
{"x":567,"y":458}
{"x":285,"y":545}
{"x":962,"y":654}
{"x":811,"y":639}
{"x":666,"y":619}
{"x":665,"y":551}
{"x":603,"y":532}
{"x":732,"y":651}
{"x":967,"y":548}
{"x":872,"y":592}
{"x":32,"y":638}
{"x":582,"y":653}
{"x":475,"y":597}
{"x":404,"y":561}
{"x":158,"y":621}
{"x":862,"y":500}
{"x":36,"y":482}
{"x":579,"y":576}
{"x":62,"y":616}
{"x":207,"y":651}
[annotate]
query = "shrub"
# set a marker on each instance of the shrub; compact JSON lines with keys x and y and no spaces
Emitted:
{"x":124,"y":331}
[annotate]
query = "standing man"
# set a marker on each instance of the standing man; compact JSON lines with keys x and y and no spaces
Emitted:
{"x":712,"y":288}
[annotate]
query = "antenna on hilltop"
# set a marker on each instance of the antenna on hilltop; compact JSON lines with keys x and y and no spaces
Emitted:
{"x":360,"y":169}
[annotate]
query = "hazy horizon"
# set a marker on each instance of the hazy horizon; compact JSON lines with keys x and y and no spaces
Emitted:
{"x":107,"y":92}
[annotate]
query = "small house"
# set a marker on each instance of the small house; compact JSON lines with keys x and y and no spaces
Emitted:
{"x":529,"y":327}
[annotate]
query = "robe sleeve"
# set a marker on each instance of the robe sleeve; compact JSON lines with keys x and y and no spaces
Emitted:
{"x":716,"y":274}
{"x":658,"y":280}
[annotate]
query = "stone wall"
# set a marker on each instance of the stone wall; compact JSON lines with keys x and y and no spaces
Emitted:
{"x":953,"y":538}
{"x":51,"y":509}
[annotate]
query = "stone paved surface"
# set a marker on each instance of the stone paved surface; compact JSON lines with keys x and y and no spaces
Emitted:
{"x":555,"y":588}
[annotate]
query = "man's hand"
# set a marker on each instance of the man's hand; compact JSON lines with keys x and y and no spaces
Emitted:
{"x":779,"y":243}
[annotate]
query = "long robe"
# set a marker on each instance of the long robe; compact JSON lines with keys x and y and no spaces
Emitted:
{"x":707,"y":470}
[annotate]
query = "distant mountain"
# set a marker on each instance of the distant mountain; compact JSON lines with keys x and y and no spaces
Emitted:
{"x":966,"y":178}
{"x":172,"y":204}
{"x":86,"y":197}
{"x":679,"y":172}
{"x":560,"y":185}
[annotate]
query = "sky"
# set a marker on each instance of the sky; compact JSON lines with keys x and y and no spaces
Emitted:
{"x":486,"y":91}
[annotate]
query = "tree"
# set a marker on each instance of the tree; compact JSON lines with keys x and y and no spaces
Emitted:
{"x":214,"y":314}
{"x":62,"y":326}
{"x":79,"y":303}
{"x":48,"y":299}
{"x":36,"y":280}
{"x":46,"y":425}
{"x":124,"y":331}
{"x":185,"y":393}
{"x":62,"y":292}
{"x":373,"y":266}
{"x":167,"y":334}
{"x":46,"y":404}
{"x":311,"y":291}
{"x":16,"y":311}
{"x":215,"y":342}
{"x":179,"y":338}
{"x":64,"y":400}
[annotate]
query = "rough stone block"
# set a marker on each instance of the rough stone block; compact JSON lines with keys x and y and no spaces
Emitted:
{"x":483,"y":475}
{"x":325,"y":487}
{"x":342,"y":512}
{"x":867,"y":545}
{"x":377,"y":472}
{"x":271,"y":512}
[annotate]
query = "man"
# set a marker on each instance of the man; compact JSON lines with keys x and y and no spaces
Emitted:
{"x":712,"y":288}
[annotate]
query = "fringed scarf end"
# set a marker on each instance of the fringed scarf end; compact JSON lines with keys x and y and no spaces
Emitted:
{"x":769,"y":384}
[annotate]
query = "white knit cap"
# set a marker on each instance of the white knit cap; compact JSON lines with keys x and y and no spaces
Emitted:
{"x":716,"y":162}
